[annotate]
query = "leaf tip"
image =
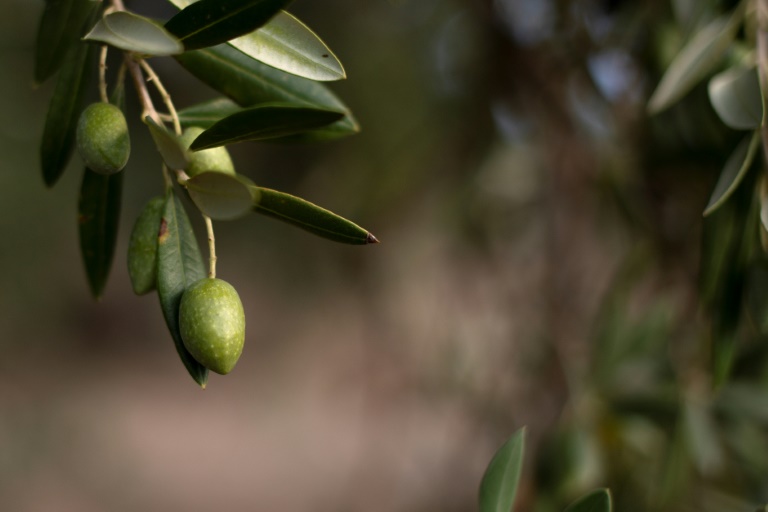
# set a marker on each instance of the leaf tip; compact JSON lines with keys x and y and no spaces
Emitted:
{"x":370,"y":239}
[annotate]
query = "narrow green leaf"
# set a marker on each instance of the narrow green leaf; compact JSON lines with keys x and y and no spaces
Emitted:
{"x":211,"y":22}
{"x":734,"y":171}
{"x":249,"y":82}
{"x":309,"y":217}
{"x":171,"y":149}
{"x":702,"y":438}
{"x":221,"y":196}
{"x":264,"y":122}
{"x":60,"y":29}
{"x":288,"y":44}
{"x":207,"y":113}
{"x":179,"y":265}
{"x":499,"y":485}
{"x":735,"y":96}
{"x":700,"y":56}
{"x":595,"y":501}
{"x":98,"y":219}
{"x":64,"y":109}
{"x":134,"y":33}
{"x":142,"y":247}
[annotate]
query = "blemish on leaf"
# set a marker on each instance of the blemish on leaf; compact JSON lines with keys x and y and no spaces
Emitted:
{"x":162,"y":235}
{"x":325,"y":55}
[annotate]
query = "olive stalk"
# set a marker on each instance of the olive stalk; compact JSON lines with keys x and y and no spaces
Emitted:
{"x":211,"y":247}
{"x":163,"y":94}
{"x":103,"y":74}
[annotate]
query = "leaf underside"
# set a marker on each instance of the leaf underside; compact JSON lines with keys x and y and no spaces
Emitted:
{"x":249,"y":82}
{"x":309,"y":217}
{"x":499,"y":484}
{"x":212,"y":22}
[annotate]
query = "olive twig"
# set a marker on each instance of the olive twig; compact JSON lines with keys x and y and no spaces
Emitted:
{"x":211,"y":247}
{"x":163,"y":93}
{"x":141,"y":89}
{"x":103,"y":74}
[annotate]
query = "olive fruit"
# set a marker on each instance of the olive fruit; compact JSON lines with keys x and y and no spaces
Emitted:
{"x":212,"y":324}
{"x":102,"y":138}
{"x":214,"y":159}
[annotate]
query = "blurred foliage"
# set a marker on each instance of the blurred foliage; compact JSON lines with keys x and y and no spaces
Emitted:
{"x":548,"y":261}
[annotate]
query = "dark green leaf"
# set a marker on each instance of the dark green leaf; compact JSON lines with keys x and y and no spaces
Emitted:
{"x":735,"y":96}
{"x":499,"y":485}
{"x":596,"y":501}
{"x":179,"y":265}
{"x":288,"y":44}
{"x":134,"y":33}
{"x":264,"y":122}
{"x":98,"y":219}
{"x":207,"y":113}
{"x":249,"y":82}
{"x":221,"y":196}
{"x":142,"y":247}
{"x":309,"y":217}
{"x":171,"y":149}
{"x":61,"y":121}
{"x":734,"y":171}
{"x":700,"y":56}
{"x":60,"y":29}
{"x":211,"y":22}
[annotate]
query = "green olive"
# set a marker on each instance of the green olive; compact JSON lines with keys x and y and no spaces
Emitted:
{"x":212,"y":323}
{"x":102,"y":138}
{"x":214,"y":159}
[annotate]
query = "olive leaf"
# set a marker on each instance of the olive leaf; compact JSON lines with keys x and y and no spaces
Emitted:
{"x":596,"y":501}
{"x":64,"y":109}
{"x":179,"y":265}
{"x":288,"y":44}
{"x":98,"y":220}
{"x":249,"y":82}
{"x":499,"y":484}
{"x":212,"y":22}
{"x":702,"y":437}
{"x":60,"y":29}
{"x":134,"y":33}
{"x":735,"y":96}
{"x":221,"y":196}
{"x":309,"y":217}
{"x":700,"y":56}
{"x":264,"y":122}
{"x":171,"y":149}
{"x":142,"y":247}
{"x":207,"y":113}
{"x":733,"y":173}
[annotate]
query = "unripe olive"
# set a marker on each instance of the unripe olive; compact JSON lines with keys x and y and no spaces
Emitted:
{"x":214,"y":159}
{"x":102,"y":138}
{"x":212,"y":323}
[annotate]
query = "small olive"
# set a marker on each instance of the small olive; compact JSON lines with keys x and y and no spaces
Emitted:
{"x":212,"y":323}
{"x":102,"y":138}
{"x":214,"y":159}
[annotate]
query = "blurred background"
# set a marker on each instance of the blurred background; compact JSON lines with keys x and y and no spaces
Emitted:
{"x":543,"y":262}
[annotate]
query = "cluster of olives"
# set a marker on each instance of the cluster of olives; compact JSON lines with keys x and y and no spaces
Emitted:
{"x":211,"y":315}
